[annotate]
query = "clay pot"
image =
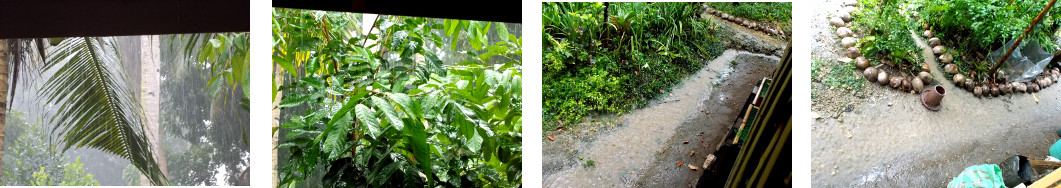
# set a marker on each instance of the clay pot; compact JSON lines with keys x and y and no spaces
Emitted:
{"x":950,"y":68}
{"x":836,"y":21}
{"x":933,"y":98}
{"x":946,"y":58}
{"x":978,"y":91}
{"x":937,"y":50}
{"x":861,"y":62}
{"x":843,"y":32}
{"x":917,"y":85}
{"x":1020,"y":87}
{"x":925,"y":76}
{"x":882,"y":78}
{"x":870,"y":73}
{"x":934,"y":41}
{"x":958,"y":78}
{"x":927,"y":34}
{"x":895,"y":82}
{"x":852,"y":52}
{"x":848,"y":42}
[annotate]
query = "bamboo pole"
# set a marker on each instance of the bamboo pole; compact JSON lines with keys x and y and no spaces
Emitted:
{"x":1019,"y":39}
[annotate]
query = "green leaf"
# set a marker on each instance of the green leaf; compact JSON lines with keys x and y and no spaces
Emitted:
{"x":292,"y":101}
{"x":367,"y":117}
{"x":388,"y":112}
{"x":416,"y":136}
{"x":475,"y":142}
{"x":349,"y":105}
{"x":502,"y":32}
{"x":335,"y":143}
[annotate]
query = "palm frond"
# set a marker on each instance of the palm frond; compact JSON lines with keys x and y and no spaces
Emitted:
{"x":97,"y":108}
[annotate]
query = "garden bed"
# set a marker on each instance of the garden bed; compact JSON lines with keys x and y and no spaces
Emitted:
{"x":880,"y":41}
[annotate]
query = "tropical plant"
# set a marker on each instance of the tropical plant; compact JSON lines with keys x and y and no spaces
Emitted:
{"x":982,"y":26}
{"x":33,"y":160}
{"x":392,"y":113}
{"x":887,"y":31}
{"x":96,"y":107}
{"x":593,"y":64}
{"x":73,"y":175}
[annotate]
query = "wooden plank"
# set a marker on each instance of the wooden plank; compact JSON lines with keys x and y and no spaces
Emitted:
{"x":1048,"y":181}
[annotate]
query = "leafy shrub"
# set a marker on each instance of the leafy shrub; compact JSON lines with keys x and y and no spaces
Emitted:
{"x":888,"y":32}
{"x":593,"y":64}
{"x":984,"y":25}
{"x":370,"y":120}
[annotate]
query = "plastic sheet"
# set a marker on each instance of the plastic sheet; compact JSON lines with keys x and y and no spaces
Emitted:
{"x":1023,"y":64}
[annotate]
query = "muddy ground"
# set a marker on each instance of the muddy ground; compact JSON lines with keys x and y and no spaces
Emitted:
{"x":881,"y":137}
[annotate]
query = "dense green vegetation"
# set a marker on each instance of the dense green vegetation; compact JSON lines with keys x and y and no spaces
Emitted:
{"x":984,"y":25}
{"x":597,"y":64}
{"x":763,"y":12}
{"x":887,"y":31}
{"x":384,"y":109}
{"x":32,"y":160}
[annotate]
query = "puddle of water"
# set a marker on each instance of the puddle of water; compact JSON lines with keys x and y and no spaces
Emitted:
{"x":622,"y":155}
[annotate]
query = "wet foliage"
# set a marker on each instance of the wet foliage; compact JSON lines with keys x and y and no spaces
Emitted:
{"x":385,"y":110}
{"x":597,"y":64}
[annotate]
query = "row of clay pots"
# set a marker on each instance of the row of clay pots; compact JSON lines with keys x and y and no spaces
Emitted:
{"x":1045,"y":79}
{"x":872,"y":74}
{"x":746,"y":22}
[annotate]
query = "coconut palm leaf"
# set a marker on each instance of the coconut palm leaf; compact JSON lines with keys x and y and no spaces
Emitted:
{"x":97,"y":109}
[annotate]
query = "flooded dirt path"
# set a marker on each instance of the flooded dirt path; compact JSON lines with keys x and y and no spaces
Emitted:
{"x":879,"y":137}
{"x":626,"y":149}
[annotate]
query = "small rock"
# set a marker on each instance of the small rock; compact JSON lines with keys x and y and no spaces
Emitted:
{"x":896,"y":82}
{"x":691,"y":167}
{"x":815,"y":115}
{"x":870,"y":73}
{"x":861,"y":62}
{"x":853,"y":52}
{"x":848,"y":42}
{"x":925,"y":76}
{"x":1020,"y":87}
{"x":937,"y":50}
{"x":934,"y":41}
{"x":946,"y":58}
{"x":850,"y":3}
{"x":843,"y":32}
{"x":917,"y":85}
{"x":927,"y":34}
{"x":844,"y":15}
{"x":882,"y":78}
{"x":950,"y":68}
{"x":958,"y":78}
{"x":836,"y":21}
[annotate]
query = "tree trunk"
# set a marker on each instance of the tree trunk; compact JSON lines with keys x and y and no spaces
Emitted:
{"x":278,"y":79}
{"x":149,"y":98}
{"x":3,"y":95}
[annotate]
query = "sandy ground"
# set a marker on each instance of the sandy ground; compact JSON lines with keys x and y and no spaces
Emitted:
{"x":885,"y":138}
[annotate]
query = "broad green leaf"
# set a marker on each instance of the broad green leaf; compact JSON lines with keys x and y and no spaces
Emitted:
{"x":388,"y":111}
{"x":349,"y":105}
{"x":335,"y":143}
{"x":367,"y":117}
{"x":416,"y":136}
{"x":502,"y":32}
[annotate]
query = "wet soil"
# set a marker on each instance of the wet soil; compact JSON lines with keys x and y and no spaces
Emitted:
{"x":642,"y":148}
{"x":882,"y":137}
